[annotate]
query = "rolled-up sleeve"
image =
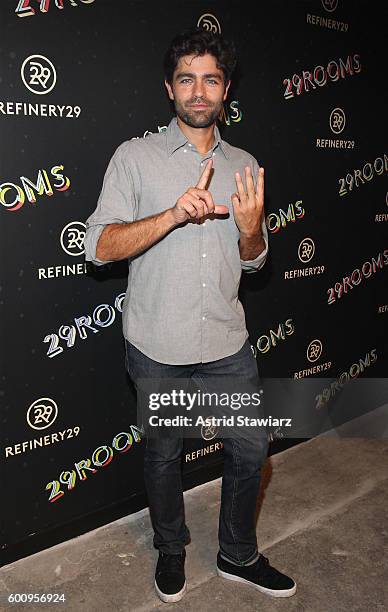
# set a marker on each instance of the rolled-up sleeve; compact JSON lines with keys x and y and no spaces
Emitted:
{"x":253,"y":265}
{"x":117,"y":202}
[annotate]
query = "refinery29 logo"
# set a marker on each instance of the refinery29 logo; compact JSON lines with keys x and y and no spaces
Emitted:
{"x":38,"y":74}
{"x":337,"y":120}
{"x":72,"y":238}
{"x":329,"y":5}
{"x":208,"y":430}
{"x":42,"y":413}
{"x":314,"y":350}
{"x":209,"y":22}
{"x":306,"y":250}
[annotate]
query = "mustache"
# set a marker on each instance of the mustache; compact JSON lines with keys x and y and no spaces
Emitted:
{"x":199,"y":101}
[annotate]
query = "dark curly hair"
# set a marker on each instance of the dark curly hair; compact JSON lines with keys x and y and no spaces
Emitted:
{"x":197,"y":41}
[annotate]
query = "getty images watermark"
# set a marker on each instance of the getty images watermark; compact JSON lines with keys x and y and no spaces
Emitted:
{"x":276,"y":407}
{"x":189,"y":401}
{"x":178,"y":408}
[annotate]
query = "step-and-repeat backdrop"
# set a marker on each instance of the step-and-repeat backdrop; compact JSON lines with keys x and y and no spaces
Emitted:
{"x":78,"y":77}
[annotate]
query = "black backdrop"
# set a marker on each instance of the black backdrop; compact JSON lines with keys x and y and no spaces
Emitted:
{"x":308,"y":101}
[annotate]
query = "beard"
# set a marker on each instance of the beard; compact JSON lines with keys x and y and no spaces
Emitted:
{"x":197,"y":118}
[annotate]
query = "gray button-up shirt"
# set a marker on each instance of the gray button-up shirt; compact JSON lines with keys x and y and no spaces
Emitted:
{"x":181,"y":304}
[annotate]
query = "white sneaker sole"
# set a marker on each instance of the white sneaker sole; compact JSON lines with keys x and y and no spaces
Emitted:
{"x":272,"y":592}
{"x":167,"y":598}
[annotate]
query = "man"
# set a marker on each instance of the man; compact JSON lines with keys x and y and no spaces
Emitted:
{"x":186,"y":209}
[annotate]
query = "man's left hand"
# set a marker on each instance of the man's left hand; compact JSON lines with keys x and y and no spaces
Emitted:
{"x":248,"y":207}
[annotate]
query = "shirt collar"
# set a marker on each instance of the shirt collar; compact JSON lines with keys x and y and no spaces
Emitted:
{"x":176,"y":138}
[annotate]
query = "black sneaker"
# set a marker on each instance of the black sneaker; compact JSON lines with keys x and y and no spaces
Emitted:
{"x":170,"y":581}
{"x":260,"y":575}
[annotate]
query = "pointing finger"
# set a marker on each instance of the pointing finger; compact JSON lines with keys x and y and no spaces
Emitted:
{"x":203,"y":179}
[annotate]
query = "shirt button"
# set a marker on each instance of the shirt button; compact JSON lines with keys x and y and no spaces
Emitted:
{"x":203,"y":284}
{"x":203,"y":318}
{"x":184,"y":150}
{"x":201,"y":163}
{"x":190,"y":145}
{"x":203,"y":254}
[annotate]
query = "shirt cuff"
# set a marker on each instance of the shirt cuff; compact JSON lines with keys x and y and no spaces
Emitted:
{"x":91,"y":239}
{"x":253,"y":265}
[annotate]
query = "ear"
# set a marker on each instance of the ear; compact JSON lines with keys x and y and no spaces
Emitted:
{"x":226,"y":90}
{"x":169,"y":90}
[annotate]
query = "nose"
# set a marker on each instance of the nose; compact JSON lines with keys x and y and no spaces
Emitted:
{"x":199,"y":88}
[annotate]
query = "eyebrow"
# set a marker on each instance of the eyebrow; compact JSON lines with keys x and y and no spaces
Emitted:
{"x":208,"y":75}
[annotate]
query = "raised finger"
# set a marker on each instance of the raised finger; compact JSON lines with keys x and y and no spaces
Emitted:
{"x":260,"y":185}
{"x":240,"y":187}
{"x":203,"y":179}
{"x":249,"y":182}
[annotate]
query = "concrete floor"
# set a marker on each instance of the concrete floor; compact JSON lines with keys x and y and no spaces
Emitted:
{"x":323,"y":520}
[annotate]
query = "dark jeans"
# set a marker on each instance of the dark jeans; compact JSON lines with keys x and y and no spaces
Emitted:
{"x":243,"y":459}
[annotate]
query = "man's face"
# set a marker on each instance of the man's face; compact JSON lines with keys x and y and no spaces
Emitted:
{"x":197,"y":90}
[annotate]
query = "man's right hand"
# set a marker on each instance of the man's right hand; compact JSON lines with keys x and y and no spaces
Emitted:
{"x":197,"y":202}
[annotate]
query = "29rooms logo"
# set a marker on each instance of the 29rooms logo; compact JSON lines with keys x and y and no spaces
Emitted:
{"x":354,"y":371}
{"x":25,"y":8}
{"x":275,"y":221}
{"x":232,"y":114}
{"x":99,"y":458}
{"x":272,"y":337}
{"x":359,"y":275}
{"x":356,"y":177}
{"x":38,"y":74}
{"x":321,"y":75}
{"x":13,"y":195}
{"x":104,"y":315}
